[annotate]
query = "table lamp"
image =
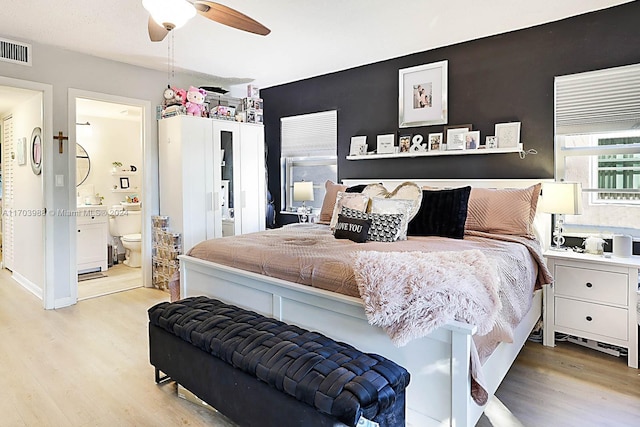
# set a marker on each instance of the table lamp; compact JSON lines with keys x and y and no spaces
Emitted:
{"x":561,"y":198}
{"x":303,"y":192}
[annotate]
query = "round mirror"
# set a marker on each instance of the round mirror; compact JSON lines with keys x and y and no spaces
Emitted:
{"x":36,"y":150}
{"x":83,"y":165}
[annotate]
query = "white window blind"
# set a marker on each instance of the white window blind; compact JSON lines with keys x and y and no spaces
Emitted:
{"x":598,"y":101}
{"x":309,"y":135}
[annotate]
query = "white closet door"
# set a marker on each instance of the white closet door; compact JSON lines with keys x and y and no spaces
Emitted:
{"x":8,"y":143}
{"x":253,"y":192}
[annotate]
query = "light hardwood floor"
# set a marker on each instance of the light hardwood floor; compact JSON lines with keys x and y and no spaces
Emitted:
{"x":117,"y":278}
{"x":88,"y":365}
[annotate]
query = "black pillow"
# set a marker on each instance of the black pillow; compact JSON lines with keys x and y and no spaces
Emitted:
{"x":442,"y":213}
{"x":352,"y":228}
{"x":356,"y":188}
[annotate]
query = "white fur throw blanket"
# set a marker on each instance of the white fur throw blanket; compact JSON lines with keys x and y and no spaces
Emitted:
{"x":409,"y":294}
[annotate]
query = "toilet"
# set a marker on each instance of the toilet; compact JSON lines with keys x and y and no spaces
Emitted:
{"x":127,"y":225}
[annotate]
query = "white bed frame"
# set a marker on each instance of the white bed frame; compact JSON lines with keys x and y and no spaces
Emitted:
{"x":440,"y":389}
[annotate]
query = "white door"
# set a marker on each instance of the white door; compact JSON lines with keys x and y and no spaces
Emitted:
{"x":253,"y":192}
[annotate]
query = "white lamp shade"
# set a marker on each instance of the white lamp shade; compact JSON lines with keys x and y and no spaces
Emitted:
{"x":303,"y":191}
{"x":174,"y":12}
{"x":561,"y":198}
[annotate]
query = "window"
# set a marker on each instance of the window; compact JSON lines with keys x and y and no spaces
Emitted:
{"x":597,"y":120}
{"x":308,"y":153}
{"x":617,"y":172}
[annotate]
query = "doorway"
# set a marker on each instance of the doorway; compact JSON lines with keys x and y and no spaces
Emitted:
{"x":26,"y":164}
{"x":109,"y":167}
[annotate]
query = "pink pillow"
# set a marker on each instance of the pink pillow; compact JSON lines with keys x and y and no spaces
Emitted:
{"x":326,"y":212}
{"x":503,"y":211}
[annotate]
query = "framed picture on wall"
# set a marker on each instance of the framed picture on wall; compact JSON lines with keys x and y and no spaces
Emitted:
{"x":423,"y":95}
{"x":21,"y":150}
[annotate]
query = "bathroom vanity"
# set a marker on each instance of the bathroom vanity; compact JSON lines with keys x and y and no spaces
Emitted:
{"x":92,"y":224}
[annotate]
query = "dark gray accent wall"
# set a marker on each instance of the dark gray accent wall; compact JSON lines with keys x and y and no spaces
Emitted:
{"x":508,"y":77}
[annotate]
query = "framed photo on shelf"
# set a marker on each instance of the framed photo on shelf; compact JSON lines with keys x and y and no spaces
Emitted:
{"x":405,"y":142}
{"x":472,"y":140}
{"x":455,"y":141}
{"x":508,"y":134}
{"x":435,"y":141}
{"x":423,"y":95}
{"x":491,"y":141}
{"x":358,"y":146}
{"x":385,"y":144}
{"x":124,"y":182}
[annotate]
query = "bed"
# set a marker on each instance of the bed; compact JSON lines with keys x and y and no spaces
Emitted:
{"x":440,"y":363}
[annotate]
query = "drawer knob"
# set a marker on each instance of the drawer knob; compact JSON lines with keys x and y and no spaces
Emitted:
{"x":589,"y":285}
{"x":589,"y":318}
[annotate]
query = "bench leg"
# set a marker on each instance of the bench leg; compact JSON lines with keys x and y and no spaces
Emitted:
{"x":161,"y":378}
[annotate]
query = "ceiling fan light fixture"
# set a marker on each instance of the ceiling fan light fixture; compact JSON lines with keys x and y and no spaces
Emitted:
{"x":170,"y":13}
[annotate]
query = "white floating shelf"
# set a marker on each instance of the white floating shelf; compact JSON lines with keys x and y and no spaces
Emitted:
{"x":517,"y":149}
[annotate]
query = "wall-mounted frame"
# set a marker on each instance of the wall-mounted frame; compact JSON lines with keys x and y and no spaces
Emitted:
{"x":35,"y":150}
{"x":124,"y":182}
{"x":21,"y":150}
{"x":423,"y":95}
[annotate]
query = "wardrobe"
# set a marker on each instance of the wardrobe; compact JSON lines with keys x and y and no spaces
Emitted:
{"x":212,"y":177}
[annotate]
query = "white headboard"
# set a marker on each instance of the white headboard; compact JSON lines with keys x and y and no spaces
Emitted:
{"x":542,"y":222}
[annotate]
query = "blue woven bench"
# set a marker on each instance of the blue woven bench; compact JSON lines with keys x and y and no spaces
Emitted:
{"x":262,"y":372}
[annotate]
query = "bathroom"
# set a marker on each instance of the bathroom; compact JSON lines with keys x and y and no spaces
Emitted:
{"x":109,"y":177}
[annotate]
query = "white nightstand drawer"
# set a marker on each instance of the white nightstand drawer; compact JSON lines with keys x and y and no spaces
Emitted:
{"x":593,"y":285}
{"x":597,"y":319}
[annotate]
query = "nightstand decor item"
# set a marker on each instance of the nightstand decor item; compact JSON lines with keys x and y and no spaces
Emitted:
{"x":622,"y":246}
{"x":303,"y":192}
{"x":561,"y":198}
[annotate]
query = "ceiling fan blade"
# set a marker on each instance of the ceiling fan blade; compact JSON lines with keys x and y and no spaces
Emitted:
{"x":157,"y":32}
{"x":230,"y":17}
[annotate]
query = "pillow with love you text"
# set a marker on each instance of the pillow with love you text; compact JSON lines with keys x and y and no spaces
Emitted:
{"x":351,"y":228}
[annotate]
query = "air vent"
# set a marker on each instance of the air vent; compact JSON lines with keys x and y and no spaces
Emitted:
{"x":15,"y":52}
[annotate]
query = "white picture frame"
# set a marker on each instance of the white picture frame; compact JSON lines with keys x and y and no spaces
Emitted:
{"x":422,"y":97}
{"x":472,"y":140}
{"x":435,"y":141}
{"x":21,"y":151}
{"x":508,"y":134}
{"x":358,"y":146}
{"x":491,"y":142}
{"x":385,"y":144}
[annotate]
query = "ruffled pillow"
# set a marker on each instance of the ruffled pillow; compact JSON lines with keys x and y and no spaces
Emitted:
{"x":354,"y":201}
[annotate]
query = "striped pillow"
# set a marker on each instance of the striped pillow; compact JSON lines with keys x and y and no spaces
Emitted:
{"x":503,"y":211}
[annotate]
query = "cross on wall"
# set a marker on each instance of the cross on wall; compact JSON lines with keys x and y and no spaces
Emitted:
{"x":61,"y":138}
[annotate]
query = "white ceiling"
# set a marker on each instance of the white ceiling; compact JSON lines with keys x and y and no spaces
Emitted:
{"x":308,"y":38}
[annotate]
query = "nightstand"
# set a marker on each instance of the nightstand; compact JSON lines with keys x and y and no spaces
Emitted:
{"x":592,"y":297}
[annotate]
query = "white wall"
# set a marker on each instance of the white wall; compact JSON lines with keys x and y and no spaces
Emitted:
{"x":28,"y":244}
{"x":112,"y":140}
{"x":64,"y":70}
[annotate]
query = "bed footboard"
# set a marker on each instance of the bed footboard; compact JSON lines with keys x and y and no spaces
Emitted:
{"x":440,"y":388}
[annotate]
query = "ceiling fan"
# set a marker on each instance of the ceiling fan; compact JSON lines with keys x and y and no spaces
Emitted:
{"x":167,"y":15}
